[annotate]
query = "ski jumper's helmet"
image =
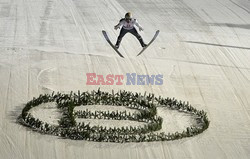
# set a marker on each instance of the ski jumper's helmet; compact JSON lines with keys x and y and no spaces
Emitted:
{"x":128,"y":15}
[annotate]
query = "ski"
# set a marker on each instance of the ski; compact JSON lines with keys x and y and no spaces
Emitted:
{"x":155,"y":36}
{"x":110,"y":43}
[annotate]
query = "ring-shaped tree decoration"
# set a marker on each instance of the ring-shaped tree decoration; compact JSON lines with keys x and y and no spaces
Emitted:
{"x":146,"y":106}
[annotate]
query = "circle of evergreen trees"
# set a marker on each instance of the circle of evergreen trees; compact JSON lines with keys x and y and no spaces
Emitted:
{"x":145,"y":104}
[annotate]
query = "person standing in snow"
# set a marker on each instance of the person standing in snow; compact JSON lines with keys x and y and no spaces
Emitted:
{"x":128,"y":25}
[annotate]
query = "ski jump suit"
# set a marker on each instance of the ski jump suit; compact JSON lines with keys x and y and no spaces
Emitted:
{"x":128,"y":26}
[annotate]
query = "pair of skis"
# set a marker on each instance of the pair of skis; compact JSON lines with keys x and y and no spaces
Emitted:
{"x":117,"y":51}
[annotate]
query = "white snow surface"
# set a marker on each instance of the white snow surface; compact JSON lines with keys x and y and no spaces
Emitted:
{"x":109,"y":108}
{"x":202,"y":51}
{"x":47,"y":112}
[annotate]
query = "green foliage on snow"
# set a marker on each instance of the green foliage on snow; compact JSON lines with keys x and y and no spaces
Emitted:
{"x":146,"y":106}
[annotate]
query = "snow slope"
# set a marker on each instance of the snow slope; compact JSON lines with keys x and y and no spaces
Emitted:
{"x":203,"y":52}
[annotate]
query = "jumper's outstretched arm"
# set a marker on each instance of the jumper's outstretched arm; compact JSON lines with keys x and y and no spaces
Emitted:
{"x":118,"y":25}
{"x":138,"y":25}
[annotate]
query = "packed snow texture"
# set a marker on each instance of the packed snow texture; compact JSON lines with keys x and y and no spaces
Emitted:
{"x":203,"y":52}
{"x":47,"y":112}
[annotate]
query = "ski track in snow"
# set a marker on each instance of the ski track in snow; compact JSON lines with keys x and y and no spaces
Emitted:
{"x":202,"y":51}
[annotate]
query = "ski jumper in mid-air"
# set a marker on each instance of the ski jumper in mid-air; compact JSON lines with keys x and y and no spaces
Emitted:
{"x":128,"y":26}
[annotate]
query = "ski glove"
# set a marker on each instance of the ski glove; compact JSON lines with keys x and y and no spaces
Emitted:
{"x":116,"y":27}
{"x":141,"y":29}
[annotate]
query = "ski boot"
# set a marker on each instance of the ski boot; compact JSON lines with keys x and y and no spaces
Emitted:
{"x":144,"y":45}
{"x":116,"y":46}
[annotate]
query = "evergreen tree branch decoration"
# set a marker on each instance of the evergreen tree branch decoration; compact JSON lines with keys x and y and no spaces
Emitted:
{"x":146,"y":106}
